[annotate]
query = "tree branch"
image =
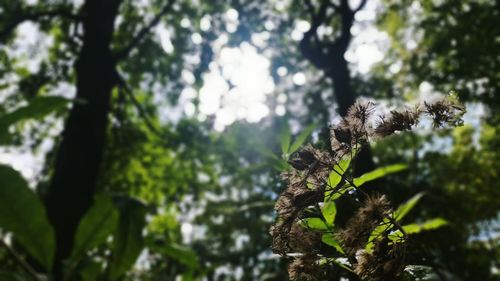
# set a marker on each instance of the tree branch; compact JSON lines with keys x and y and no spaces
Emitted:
{"x":137,"y":39}
{"x":360,"y":6}
{"x":341,"y":43}
{"x":35,"y":16}
{"x":314,"y":53}
{"x":310,"y":7}
{"x":142,"y":112}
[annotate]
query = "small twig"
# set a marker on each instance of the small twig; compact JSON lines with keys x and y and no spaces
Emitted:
{"x":144,"y":31}
{"x":391,"y":219}
{"x":142,"y":112}
{"x":360,"y":6}
{"x":31,"y":272}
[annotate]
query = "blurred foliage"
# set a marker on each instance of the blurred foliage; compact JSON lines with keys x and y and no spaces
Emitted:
{"x":159,"y":178}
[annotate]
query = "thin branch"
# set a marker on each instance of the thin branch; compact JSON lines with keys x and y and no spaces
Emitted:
{"x":312,"y":52}
{"x":142,"y":112}
{"x":333,"y":5}
{"x":360,"y":6}
{"x":26,"y":267}
{"x":310,"y":7}
{"x":137,"y":39}
{"x":34,"y":16}
{"x":390,"y":218}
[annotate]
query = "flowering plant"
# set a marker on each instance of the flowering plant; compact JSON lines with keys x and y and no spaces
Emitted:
{"x":371,"y":243}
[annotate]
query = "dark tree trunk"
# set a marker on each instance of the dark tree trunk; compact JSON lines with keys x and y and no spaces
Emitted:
{"x":340,"y":76}
{"x":81,"y":149}
{"x":329,"y":57}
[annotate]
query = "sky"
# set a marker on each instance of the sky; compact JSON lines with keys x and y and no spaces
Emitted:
{"x":239,"y":82}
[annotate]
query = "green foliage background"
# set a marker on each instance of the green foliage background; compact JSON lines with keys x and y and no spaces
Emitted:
{"x":157,"y":177}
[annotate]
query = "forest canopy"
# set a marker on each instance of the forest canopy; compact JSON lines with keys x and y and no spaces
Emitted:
{"x":249,"y":140}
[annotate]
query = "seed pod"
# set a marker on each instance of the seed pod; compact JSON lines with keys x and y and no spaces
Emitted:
{"x":298,"y":164}
{"x":307,"y":157}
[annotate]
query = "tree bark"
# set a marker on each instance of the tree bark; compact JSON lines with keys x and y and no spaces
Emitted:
{"x":78,"y":158}
{"x":335,"y":66}
{"x":340,"y":76}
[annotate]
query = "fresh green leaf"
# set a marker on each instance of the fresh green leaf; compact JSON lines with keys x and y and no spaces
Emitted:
{"x":128,"y":239}
{"x":396,"y":236}
{"x":23,"y":214}
{"x":376,"y":233}
{"x":333,"y":179}
{"x":327,"y":238}
{"x":339,"y":263}
{"x":427,"y":225}
{"x":406,"y":207}
{"x":301,"y":138}
{"x":96,"y":225}
{"x":182,"y":254}
{"x":415,"y":228}
{"x":330,"y":195}
{"x":277,"y":162}
{"x":378,"y":173}
{"x":286,"y":139}
{"x":314,"y":223}
{"x":37,"y":108}
{"x":343,"y":164}
{"x":329,"y":211}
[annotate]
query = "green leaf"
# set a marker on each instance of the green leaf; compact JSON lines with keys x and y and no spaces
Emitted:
{"x":331,"y":196}
{"x":342,"y":265}
{"x":427,"y":225}
{"x":23,"y":214}
{"x":335,"y":176}
{"x":182,"y":254}
{"x":286,"y":139}
{"x":415,"y":228}
{"x":91,"y":271}
{"x":333,"y":179}
{"x":406,"y":207}
{"x":301,"y":138}
{"x":327,"y":238}
{"x":280,"y":165}
{"x":277,"y":162}
{"x":378,"y":173}
{"x":314,"y":223}
{"x":37,"y":108}
{"x":343,"y":165}
{"x":377,"y":232}
{"x":329,"y":211}
{"x":96,"y":225}
{"x":128,"y":239}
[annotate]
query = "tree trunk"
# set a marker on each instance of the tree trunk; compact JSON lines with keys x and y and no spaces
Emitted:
{"x":341,"y":80}
{"x":79,"y":155}
{"x":340,"y":76}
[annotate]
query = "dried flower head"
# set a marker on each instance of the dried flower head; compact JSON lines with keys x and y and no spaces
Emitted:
{"x":359,"y":227}
{"x":303,"y":240}
{"x":446,"y":110}
{"x":381,"y":265}
{"x":305,"y":268}
{"x":397,"y":121}
{"x":307,"y":185}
